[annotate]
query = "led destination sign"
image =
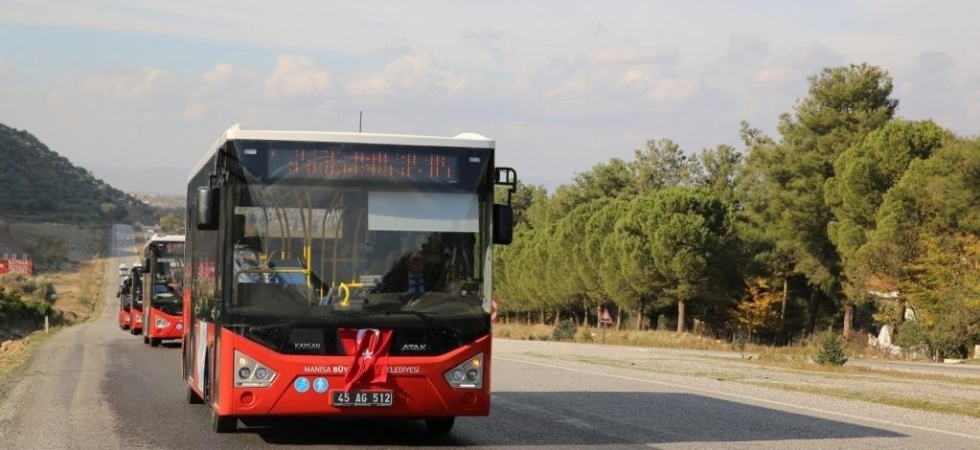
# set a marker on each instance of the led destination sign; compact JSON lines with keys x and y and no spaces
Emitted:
{"x":170,"y":249}
{"x":349,"y":162}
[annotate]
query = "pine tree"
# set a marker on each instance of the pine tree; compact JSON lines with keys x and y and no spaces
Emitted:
{"x":831,"y":351}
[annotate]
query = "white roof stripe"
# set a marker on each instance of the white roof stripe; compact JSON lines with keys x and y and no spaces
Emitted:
{"x":465,"y":140}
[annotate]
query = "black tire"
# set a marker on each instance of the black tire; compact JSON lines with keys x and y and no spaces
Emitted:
{"x":442,"y":425}
{"x":223,"y":424}
{"x":193,"y":398}
{"x":146,"y":340}
{"x":154,"y":342}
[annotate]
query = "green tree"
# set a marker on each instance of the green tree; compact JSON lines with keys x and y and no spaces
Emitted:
{"x":863,"y":174}
{"x":171,"y":224}
{"x":926,"y":241}
{"x":843,"y":106}
{"x":662,"y":164}
{"x":831,"y":352}
{"x":601,"y":257}
{"x":570,"y":266}
{"x":522,"y":200}
{"x":673,"y":246}
{"x":719,"y":169}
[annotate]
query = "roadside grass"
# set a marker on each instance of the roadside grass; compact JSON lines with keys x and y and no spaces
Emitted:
{"x":648,"y":338}
{"x":80,"y":293}
{"x":793,"y":358}
{"x":20,"y":351}
{"x":797,"y":358}
{"x":966,"y":408}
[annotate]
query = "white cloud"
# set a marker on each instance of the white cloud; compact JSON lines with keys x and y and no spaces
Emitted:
{"x":454,"y":82}
{"x":195,"y":111}
{"x":370,"y":86}
{"x":631,"y":77}
{"x":575,"y":84}
{"x":769,"y":75}
{"x":671,"y":89}
{"x":407,"y":74}
{"x":129,"y":85}
{"x":629,"y":55}
{"x":220,"y":74}
{"x":296,"y":76}
{"x":657,"y":89}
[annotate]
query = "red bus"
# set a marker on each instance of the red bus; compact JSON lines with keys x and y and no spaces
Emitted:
{"x":131,"y":301}
{"x":163,"y":269}
{"x":123,"y":293}
{"x":342,"y":274}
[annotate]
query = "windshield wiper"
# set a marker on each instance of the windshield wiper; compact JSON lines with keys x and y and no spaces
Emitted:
{"x":426,"y":317}
{"x":288,"y":325}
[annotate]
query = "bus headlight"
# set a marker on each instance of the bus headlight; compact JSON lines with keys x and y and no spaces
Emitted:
{"x":251,"y":373}
{"x":457,"y":375}
{"x":160,"y":322}
{"x":468,"y":375}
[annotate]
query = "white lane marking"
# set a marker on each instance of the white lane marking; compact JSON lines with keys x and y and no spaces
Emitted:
{"x":748,"y":397}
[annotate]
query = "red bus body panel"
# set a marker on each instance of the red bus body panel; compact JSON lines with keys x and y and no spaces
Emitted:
{"x":419,"y":384}
{"x":136,"y":320}
{"x":123,"y":318}
{"x":174,"y":330}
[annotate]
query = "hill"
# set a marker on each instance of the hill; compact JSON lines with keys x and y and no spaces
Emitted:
{"x":38,"y":184}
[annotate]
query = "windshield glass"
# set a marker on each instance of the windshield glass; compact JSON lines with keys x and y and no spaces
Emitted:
{"x":167,"y":281}
{"x":136,"y":291}
{"x":307,"y":253}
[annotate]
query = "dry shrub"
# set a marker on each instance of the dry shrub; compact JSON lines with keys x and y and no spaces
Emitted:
{"x":536,"y":332}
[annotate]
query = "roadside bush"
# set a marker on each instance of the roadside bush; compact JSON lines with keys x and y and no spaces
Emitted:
{"x":831,"y":351}
{"x":38,"y":288}
{"x":565,"y":331}
{"x":14,"y":309}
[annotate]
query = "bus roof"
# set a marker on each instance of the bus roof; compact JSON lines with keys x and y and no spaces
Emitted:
{"x":233,"y":133}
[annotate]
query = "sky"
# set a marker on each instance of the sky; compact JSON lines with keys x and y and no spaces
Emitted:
{"x":137,"y":90}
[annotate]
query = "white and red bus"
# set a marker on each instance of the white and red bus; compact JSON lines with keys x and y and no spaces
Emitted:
{"x":163,"y":275}
{"x":124,"y":293}
{"x":130,"y":295}
{"x":298,"y":256}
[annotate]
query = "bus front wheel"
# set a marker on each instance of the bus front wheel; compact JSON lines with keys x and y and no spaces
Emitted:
{"x":223,"y":424}
{"x":441,"y":425}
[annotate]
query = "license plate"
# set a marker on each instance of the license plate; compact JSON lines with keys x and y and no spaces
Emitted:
{"x":363,"y":398}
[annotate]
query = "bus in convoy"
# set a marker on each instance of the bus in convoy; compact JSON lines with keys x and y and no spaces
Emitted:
{"x":342,"y":274}
{"x":163,"y":273}
{"x":123,"y":293}
{"x":130,"y":295}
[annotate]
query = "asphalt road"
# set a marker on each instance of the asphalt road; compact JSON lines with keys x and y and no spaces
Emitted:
{"x":94,"y":386}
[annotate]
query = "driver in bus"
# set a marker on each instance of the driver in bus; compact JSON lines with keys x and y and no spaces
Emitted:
{"x":414,"y":277}
{"x":176,"y":280}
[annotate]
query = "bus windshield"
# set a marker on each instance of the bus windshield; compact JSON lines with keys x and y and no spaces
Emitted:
{"x":306,"y":252}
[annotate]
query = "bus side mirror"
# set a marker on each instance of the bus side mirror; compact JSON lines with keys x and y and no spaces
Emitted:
{"x":503,"y":224}
{"x":207,"y":208}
